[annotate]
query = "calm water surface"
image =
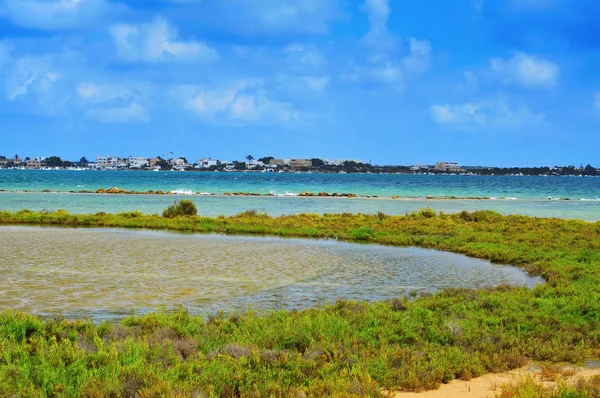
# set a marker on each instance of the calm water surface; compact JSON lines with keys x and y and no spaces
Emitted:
{"x":105,"y":273}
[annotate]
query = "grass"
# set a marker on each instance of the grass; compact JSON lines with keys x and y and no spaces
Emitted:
{"x":340,"y":349}
{"x":528,"y":388}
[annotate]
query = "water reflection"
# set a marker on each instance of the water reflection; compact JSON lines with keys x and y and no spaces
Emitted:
{"x":105,"y":272}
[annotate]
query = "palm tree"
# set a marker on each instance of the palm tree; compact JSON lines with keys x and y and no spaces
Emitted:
{"x":250,"y":158}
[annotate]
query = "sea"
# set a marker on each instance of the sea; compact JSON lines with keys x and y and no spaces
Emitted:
{"x":561,"y":197}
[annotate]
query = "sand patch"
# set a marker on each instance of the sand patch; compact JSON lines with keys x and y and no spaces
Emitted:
{"x":489,"y":385}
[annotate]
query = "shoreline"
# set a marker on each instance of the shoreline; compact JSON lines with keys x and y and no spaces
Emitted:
{"x":307,"y":194}
{"x":465,"y":174}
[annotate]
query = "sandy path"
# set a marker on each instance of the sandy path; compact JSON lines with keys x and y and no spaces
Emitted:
{"x":487,"y":386}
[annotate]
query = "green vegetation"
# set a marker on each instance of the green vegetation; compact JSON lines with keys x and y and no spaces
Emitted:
{"x":527,"y":387}
{"x":339,"y":349}
{"x":182,"y":208}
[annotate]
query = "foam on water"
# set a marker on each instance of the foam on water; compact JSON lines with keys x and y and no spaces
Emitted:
{"x":183,"y":192}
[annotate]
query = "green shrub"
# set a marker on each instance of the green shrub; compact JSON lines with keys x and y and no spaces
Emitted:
{"x":182,"y":208}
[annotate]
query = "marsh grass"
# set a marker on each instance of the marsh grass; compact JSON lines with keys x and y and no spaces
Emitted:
{"x":345,"y":348}
{"x":529,"y":388}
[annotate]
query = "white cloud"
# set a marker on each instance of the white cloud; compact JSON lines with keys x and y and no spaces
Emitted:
{"x":116,"y":103}
{"x":30,"y":74}
{"x":97,"y":93}
{"x":384,"y":62}
{"x":133,"y":113}
{"x":419,"y":58}
{"x":378,"y":37}
{"x":238,"y":104}
{"x":309,"y":56}
{"x":274,"y":16}
{"x":379,"y":13}
{"x":526,"y":70}
{"x":5,"y":50}
{"x":491,"y":113}
{"x":317,"y":83}
{"x":471,"y":82}
{"x":157,"y":41}
{"x":55,"y":14}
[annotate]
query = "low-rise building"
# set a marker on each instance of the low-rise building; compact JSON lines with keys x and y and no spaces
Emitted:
{"x":176,"y":161}
{"x":341,"y":162}
{"x":277,"y":162}
{"x":451,"y":167}
{"x":207,"y":163}
{"x":107,"y":162}
{"x":137,"y":162}
{"x":33,"y":164}
{"x":300,"y":163}
{"x":418,"y":167}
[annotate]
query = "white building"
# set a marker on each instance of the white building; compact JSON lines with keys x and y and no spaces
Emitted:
{"x":448,"y":167}
{"x":137,"y":162}
{"x":340,"y":162}
{"x":107,"y":162}
{"x":207,"y":163}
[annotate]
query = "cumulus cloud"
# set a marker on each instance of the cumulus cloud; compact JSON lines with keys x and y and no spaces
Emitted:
{"x":156,"y":42}
{"x":419,"y":57}
{"x":317,"y":83}
{"x":378,"y":37}
{"x":238,"y":104}
{"x":5,"y":50}
{"x":133,"y":113}
{"x":526,"y":70}
{"x":305,"y":55}
{"x":56,"y":14}
{"x":115,"y":103}
{"x":385,"y":64}
{"x":470,"y":80}
{"x":379,"y":13}
{"x":30,"y":74}
{"x":490,"y":113}
{"x":274,"y":17}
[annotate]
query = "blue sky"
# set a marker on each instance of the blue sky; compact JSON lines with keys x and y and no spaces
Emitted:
{"x":488,"y":82}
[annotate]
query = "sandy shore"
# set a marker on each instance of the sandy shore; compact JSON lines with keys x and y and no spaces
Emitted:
{"x":489,"y":385}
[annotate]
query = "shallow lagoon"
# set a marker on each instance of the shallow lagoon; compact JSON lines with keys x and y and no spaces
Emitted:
{"x":104,"y":273}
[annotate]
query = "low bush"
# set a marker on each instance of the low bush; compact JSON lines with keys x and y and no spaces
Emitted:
{"x":182,"y":208}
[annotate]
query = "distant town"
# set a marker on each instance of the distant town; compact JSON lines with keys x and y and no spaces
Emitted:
{"x":270,"y":164}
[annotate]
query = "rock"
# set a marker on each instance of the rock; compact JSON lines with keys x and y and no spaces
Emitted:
{"x":323,"y":194}
{"x":396,"y":197}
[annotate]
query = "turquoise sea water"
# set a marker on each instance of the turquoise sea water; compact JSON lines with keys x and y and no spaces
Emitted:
{"x":537,"y":196}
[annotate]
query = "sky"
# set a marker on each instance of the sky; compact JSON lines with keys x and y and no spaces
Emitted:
{"x":479,"y":82}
